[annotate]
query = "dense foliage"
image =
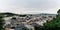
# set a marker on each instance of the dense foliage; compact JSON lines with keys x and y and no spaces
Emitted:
{"x":1,"y":23}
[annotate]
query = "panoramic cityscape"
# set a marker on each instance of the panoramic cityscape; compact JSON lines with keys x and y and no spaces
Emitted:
{"x":28,"y":21}
{"x":18,"y":22}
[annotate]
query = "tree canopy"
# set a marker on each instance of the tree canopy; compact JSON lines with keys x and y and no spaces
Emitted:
{"x":1,"y":23}
{"x":58,"y":11}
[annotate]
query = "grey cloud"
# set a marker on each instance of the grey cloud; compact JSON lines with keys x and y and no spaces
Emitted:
{"x":41,"y":4}
{"x":29,"y":5}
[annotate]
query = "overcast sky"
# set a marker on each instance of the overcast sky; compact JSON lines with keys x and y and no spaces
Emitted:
{"x":29,"y":6}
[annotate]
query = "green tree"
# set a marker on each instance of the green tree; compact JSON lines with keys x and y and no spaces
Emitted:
{"x":1,"y":23}
{"x":58,"y":11}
